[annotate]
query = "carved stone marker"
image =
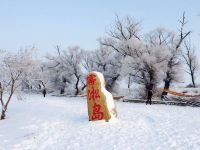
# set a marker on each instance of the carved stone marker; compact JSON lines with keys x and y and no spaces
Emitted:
{"x":100,"y":102}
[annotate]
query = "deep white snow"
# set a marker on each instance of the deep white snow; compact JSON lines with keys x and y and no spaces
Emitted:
{"x":60,"y":123}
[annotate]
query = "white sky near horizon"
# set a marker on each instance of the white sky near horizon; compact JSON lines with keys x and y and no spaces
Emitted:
{"x":46,"y":23}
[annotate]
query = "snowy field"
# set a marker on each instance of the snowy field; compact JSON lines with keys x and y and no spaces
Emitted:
{"x":60,"y":123}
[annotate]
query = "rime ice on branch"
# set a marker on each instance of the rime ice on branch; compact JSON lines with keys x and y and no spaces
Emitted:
{"x":100,"y":102}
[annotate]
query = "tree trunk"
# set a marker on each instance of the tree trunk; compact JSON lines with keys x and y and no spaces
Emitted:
{"x":166,"y":87}
{"x":3,"y":114}
{"x":193,"y":82}
{"x":83,"y":87}
{"x":111,"y":83}
{"x":62,"y":91}
{"x":129,"y":81}
{"x":76,"y":86}
{"x":4,"y":107}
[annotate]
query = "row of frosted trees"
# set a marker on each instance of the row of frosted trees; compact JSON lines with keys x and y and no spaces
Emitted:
{"x":124,"y":54}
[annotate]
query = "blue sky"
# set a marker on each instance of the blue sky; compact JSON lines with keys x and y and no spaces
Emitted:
{"x":46,"y":23}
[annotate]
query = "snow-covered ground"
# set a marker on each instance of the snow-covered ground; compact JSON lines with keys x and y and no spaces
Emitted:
{"x":60,"y":123}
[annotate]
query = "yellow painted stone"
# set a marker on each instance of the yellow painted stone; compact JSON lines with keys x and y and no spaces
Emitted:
{"x":100,"y":102}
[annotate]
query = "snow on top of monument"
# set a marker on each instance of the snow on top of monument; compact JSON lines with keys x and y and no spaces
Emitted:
{"x":101,"y":77}
{"x":62,"y":123}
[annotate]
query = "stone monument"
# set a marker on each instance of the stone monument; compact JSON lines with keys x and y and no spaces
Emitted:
{"x":100,"y":102}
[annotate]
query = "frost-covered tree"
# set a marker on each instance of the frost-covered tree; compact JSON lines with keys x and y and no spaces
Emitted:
{"x":107,"y":62}
{"x":123,"y":34}
{"x":14,"y":68}
{"x":164,"y":40}
{"x":142,"y":60}
{"x":66,"y":71}
{"x":147,"y":66}
{"x":55,"y":72}
{"x":88,"y":62}
{"x":147,"y":57}
{"x":72,"y":62}
{"x":42,"y":78}
{"x":30,"y":79}
{"x":174,"y":59}
{"x":190,"y":59}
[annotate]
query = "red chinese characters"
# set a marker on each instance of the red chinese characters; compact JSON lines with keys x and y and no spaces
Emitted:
{"x":91,"y":79}
{"x":97,"y":114}
{"x":93,"y":94}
